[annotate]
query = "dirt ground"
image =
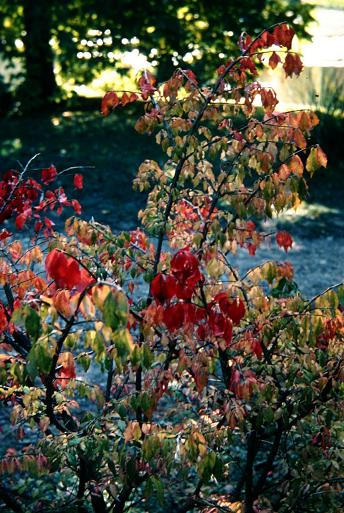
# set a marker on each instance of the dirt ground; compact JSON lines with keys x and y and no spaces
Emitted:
{"x":111,"y":152}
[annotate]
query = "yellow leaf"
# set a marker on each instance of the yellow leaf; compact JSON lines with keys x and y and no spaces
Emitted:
{"x":132,"y":431}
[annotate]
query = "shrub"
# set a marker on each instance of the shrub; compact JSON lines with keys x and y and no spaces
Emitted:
{"x":142,"y":370}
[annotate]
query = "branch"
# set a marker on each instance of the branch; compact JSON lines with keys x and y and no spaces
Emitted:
{"x":270,"y":460}
{"x":49,"y":382}
{"x":7,"y":496}
{"x":252,"y":447}
{"x":109,"y":382}
{"x":314,"y":298}
{"x":98,"y":502}
{"x":18,"y":183}
{"x":185,"y":156}
{"x":82,"y":474}
{"x":122,"y":499}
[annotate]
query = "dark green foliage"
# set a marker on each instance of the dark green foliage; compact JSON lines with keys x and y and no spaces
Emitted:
{"x":173,"y":28}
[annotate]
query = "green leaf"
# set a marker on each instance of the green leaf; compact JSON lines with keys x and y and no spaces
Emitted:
{"x":85,"y":361}
{"x":109,"y":312}
{"x":123,"y":343}
{"x":136,"y":356}
{"x":39,"y":358}
{"x":159,"y":489}
{"x":207,"y":465}
{"x":284,"y":288}
{"x":316,"y":159}
{"x":147,"y":357}
{"x":32,"y":323}
{"x":115,"y":310}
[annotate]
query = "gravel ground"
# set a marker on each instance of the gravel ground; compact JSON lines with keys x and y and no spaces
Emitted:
{"x":318,"y":263}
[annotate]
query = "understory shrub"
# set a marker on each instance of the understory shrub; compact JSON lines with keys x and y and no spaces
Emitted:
{"x":141,"y":371}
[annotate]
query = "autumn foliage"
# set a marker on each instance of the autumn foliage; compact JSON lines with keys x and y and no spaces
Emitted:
{"x":142,"y":370}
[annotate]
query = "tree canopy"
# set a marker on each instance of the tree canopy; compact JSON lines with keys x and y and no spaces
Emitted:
{"x":78,"y":38}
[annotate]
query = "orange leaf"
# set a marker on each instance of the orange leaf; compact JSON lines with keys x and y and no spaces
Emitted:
{"x":296,"y":165}
{"x":66,"y":371}
{"x":125,"y":100}
{"x":284,"y":172}
{"x":62,"y":303}
{"x":274,"y":60}
{"x":321,"y":157}
{"x":4,"y":358}
{"x":109,"y":102}
{"x":132,"y":431}
{"x":283,"y":35}
{"x":299,"y":139}
{"x":292,"y":65}
{"x":316,"y":158}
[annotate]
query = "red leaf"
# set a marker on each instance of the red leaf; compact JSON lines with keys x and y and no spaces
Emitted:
{"x":247,"y":64}
{"x":265,"y":41}
{"x":109,"y":102}
{"x":283,"y":35}
{"x":146,"y":84}
{"x":284,"y":240}
{"x":250,"y":226}
{"x":65,"y":271}
{"x":173,"y":316}
{"x":133,"y":97}
{"x":251,"y":248}
{"x":20,"y":221}
{"x":257,"y":348}
{"x":184,"y":292}
{"x":48,"y":223}
{"x":66,"y":372}
{"x":193,"y":314}
{"x":242,"y":384}
{"x":48,"y":175}
{"x":3,"y":318}
{"x":185,"y":268}
{"x":269,"y":99}
{"x":233,"y":308}
{"x":38,"y":226}
{"x":221,"y":327}
{"x":125,"y":99}
{"x":235,"y":378}
{"x":4,"y":234}
{"x":78,"y":181}
{"x":77,"y":207}
{"x":274,"y":60}
{"x":163,"y":287}
{"x":292,"y":65}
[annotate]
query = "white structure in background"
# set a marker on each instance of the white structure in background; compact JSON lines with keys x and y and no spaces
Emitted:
{"x":321,"y":84}
{"x":327,"y":47}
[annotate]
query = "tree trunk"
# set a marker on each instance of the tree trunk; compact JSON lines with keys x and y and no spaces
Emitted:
{"x":40,"y":84}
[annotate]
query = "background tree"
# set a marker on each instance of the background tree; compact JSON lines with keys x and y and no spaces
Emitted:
{"x":82,"y":34}
{"x":39,"y":57}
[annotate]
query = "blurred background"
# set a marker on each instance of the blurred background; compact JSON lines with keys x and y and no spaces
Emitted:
{"x":58,"y":58}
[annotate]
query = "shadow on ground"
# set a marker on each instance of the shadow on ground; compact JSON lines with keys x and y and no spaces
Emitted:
{"x":109,"y":146}
{"x":114,"y":151}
